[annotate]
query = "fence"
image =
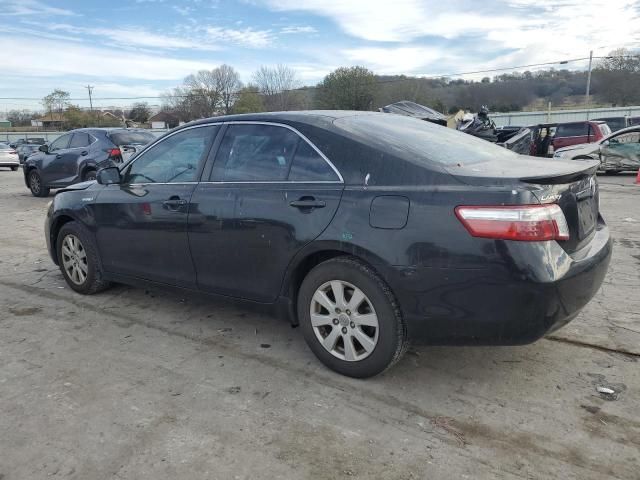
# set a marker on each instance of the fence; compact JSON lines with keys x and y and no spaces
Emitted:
{"x":523,"y":119}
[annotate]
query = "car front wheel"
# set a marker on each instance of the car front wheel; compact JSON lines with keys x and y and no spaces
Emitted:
{"x":36,"y":186}
{"x":78,"y":259}
{"x":350,"y":318}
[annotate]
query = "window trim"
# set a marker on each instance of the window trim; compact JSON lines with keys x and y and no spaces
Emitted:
{"x":162,"y":139}
{"x":340,"y":179}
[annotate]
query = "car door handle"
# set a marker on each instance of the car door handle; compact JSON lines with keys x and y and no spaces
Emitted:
{"x":174,"y":203}
{"x":58,"y":156}
{"x":308,"y":203}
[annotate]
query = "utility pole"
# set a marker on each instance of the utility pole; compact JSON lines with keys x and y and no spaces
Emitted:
{"x":90,"y":89}
{"x":586,"y":99}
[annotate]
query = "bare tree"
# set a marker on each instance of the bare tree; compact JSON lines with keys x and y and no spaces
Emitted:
{"x":278,"y":86}
{"x":228,"y":84}
{"x":56,"y":101}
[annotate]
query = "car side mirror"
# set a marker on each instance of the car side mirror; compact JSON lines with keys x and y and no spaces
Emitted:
{"x":44,"y":148}
{"x":109,"y":176}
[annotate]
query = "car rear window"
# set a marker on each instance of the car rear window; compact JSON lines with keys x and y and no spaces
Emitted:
{"x":419,"y":141}
{"x":604,"y":128}
{"x":573,"y":130}
{"x":131,"y":138}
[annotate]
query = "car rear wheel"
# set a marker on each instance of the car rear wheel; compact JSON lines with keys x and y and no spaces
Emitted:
{"x":36,"y":186}
{"x":14,"y":168}
{"x":78,"y":259}
{"x":350,"y":318}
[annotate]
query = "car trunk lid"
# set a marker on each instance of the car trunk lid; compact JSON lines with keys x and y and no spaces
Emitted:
{"x":572,"y":184}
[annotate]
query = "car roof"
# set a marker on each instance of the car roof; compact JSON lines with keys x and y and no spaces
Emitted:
{"x":634,"y":128}
{"x":310,"y":117}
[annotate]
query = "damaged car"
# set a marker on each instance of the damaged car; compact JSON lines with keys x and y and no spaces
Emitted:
{"x":616,"y":153}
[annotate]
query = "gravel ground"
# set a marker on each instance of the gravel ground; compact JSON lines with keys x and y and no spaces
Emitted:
{"x":140,"y":384}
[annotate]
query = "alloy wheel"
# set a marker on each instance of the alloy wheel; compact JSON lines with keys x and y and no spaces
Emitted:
{"x":34,"y":183}
{"x":344,"y":320}
{"x":74,"y":259}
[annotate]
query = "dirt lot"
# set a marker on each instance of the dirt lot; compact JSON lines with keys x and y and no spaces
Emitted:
{"x":139,"y":384}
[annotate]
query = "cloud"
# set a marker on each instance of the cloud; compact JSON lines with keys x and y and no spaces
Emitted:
{"x":50,"y":58}
{"x":393,"y":60}
{"x":298,"y":29}
{"x":247,"y":37}
{"x":31,"y":7}
{"x":135,"y":37}
{"x":466,"y":35}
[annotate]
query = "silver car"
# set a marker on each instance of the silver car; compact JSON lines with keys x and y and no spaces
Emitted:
{"x":9,"y":157}
{"x":617,"y":152}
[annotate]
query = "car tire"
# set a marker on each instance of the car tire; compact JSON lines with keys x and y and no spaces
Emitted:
{"x":372,"y":349}
{"x":79,"y":260}
{"x":14,"y":169}
{"x":35,"y":185}
{"x":89,"y":175}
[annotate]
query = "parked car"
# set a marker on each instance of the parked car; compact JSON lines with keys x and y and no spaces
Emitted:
{"x":634,"y":121}
{"x":535,"y":140}
{"x":365,"y":229}
{"x":8,"y":157}
{"x":26,"y":149}
{"x":615,"y":123}
{"x":75,"y":156}
{"x":23,"y":141}
{"x":577,"y":133}
{"x":616,"y":153}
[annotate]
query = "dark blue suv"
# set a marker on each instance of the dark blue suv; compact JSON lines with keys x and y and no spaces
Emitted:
{"x":77,"y":155}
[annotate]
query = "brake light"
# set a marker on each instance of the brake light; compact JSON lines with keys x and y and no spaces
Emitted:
{"x":529,"y":223}
{"x":114,"y":152}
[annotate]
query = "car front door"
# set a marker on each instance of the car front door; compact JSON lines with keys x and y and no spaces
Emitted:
{"x":621,"y":152}
{"x":53,"y":168}
{"x":270,"y":192}
{"x":141,"y":224}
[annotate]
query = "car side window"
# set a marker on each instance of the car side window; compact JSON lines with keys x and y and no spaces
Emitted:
{"x":60,"y":143}
{"x":573,"y":130}
{"x":255,"y":153}
{"x":80,"y":140}
{"x":309,"y":166}
{"x":175,"y":159}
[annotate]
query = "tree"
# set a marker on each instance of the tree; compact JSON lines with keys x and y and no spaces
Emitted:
{"x":140,"y":112}
{"x":56,"y":101}
{"x":204,"y":94}
{"x":20,"y":118}
{"x":278,"y":86}
{"x":616,"y":78}
{"x":347,"y":88}
{"x":249,"y":101}
{"x":229,"y":84}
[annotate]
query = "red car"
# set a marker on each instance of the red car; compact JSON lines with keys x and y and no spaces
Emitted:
{"x":576,"y":133}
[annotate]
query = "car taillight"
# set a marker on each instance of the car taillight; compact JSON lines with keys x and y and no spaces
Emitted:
{"x":529,"y":223}
{"x":114,"y":152}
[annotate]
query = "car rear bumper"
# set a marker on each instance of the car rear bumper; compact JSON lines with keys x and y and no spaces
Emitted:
{"x":510,"y":304}
{"x":9,"y":163}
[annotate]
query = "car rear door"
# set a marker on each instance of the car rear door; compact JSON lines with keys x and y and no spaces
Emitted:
{"x":270,"y":192}
{"x":141,"y":223}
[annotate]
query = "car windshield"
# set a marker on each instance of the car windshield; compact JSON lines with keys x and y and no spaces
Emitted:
{"x":420,"y":141}
{"x":131,"y":138}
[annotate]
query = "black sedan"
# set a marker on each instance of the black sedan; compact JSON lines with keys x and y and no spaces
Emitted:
{"x":365,"y":229}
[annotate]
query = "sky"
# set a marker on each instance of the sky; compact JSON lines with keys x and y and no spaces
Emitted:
{"x":145,"y":47}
